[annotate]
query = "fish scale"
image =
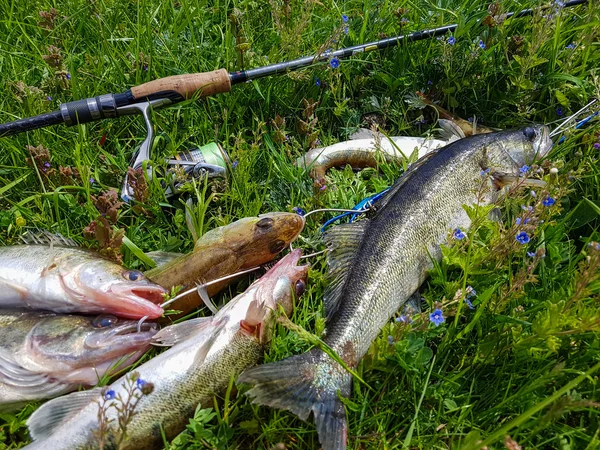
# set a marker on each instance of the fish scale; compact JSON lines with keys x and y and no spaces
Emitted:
{"x":375,"y":265}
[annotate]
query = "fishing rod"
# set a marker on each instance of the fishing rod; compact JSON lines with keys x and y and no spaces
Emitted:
{"x":177,"y":88}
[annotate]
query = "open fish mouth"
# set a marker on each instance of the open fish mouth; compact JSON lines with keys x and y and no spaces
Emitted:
{"x":136,"y":302}
{"x":123,"y":338}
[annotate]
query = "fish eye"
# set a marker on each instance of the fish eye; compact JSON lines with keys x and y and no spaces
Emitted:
{"x":300,"y":287}
{"x":104,"y":321}
{"x":529,"y":133}
{"x":265,"y":223}
{"x":133,"y":275}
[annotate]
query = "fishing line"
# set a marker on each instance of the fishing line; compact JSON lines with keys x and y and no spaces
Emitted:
{"x":558,"y":128}
{"x":199,"y":286}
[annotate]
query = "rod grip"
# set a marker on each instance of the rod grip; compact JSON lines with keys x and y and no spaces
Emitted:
{"x":187,"y":85}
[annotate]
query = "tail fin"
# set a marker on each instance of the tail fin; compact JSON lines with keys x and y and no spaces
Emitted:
{"x":305,"y":383}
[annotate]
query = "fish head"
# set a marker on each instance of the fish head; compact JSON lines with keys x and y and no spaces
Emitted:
{"x":279,"y":287}
{"x":113,"y":289}
{"x":255,"y":240}
{"x":524,"y":146}
{"x":82,"y":348}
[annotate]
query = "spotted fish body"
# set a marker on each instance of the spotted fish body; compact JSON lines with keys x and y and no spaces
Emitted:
{"x":205,"y":354}
{"x":378,"y":263}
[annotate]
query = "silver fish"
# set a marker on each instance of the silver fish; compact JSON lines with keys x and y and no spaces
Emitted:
{"x":378,"y":263}
{"x":206,"y":353}
{"x":44,"y":355}
{"x":71,"y":279}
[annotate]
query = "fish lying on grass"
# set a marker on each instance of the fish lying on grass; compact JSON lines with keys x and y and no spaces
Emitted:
{"x":44,"y":354}
{"x":243,"y":244}
{"x":70,"y":279}
{"x":206,"y":354}
{"x":376,"y":264}
{"x":360,"y":153}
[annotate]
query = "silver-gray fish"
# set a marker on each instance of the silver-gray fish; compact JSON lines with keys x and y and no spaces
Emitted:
{"x":206,"y":353}
{"x":378,"y":263}
{"x":70,"y":279}
{"x":44,"y":355}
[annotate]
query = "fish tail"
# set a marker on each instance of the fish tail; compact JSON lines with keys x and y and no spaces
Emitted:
{"x":305,"y":383}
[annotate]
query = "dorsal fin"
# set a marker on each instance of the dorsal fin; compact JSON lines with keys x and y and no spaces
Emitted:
{"x":43,"y":237}
{"x":450,"y":131}
{"x":162,"y":258}
{"x":50,"y":416}
{"x":405,"y":177}
{"x":342,"y":242}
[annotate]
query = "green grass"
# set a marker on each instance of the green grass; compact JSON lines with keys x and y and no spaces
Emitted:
{"x":523,"y":363}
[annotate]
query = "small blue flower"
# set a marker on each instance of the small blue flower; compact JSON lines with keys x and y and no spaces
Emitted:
{"x":48,"y":98}
{"x":531,"y":254}
{"x":526,"y":208}
{"x":68,"y":76}
{"x":522,"y":238}
{"x":458,"y":234}
{"x":469,"y":304}
{"x":92,"y":181}
{"x":403,"y":319}
{"x":437,"y":317}
{"x":318,"y":82}
{"x":484,"y":172}
{"x":597,"y":146}
{"x":234,"y":164}
{"x":523,"y":170}
{"x":559,"y":111}
{"x":140,"y":383}
{"x":429,"y":82}
{"x":571,"y":46}
{"x":548,"y":201}
{"x":451,"y":40}
{"x":527,"y":220}
{"x":298,"y":210}
{"x":345,"y":18}
{"x":47,"y":164}
{"x":109,"y":395}
{"x":334,"y":63}
{"x":346,"y":29}
{"x":390,"y":340}
{"x":482,"y":45}
{"x":518,"y":221}
{"x":470,"y":292}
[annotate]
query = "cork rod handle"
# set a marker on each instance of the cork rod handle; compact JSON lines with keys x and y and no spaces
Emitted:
{"x":188,"y":85}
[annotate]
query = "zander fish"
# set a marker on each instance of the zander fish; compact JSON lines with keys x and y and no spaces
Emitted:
{"x":360,"y":153}
{"x":44,"y":355}
{"x":206,"y":353}
{"x":70,"y":279}
{"x":378,"y":263}
{"x":243,"y":244}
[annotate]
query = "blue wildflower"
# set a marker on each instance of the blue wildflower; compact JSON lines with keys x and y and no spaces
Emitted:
{"x":571,"y":46}
{"x":48,"y":98}
{"x":140,"y":383}
{"x":484,"y":172}
{"x":526,"y":208}
{"x":597,"y":146}
{"x":47,"y":164}
{"x":522,"y":238}
{"x":92,"y":181}
{"x":518,"y":221}
{"x":548,"y":201}
{"x":318,"y":82}
{"x":559,"y":111}
{"x":527,"y":220}
{"x":470,"y":292}
{"x":234,"y":164}
{"x":531,"y":254}
{"x":345,"y":18}
{"x":482,"y":45}
{"x":437,"y":317}
{"x":429,"y":82}
{"x":451,"y":40}
{"x":298,"y":210}
{"x":403,"y":319}
{"x":469,"y":304}
{"x":68,"y":76}
{"x":523,"y":170}
{"x":458,"y":234}
{"x":346,"y":29}
{"x":334,"y":63}
{"x":390,"y":340}
{"x":109,"y":395}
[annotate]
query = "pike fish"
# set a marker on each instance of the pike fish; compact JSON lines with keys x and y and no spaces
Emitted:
{"x":45,"y":355}
{"x":378,"y":263}
{"x":71,"y":279}
{"x":243,"y":244}
{"x":205,"y":354}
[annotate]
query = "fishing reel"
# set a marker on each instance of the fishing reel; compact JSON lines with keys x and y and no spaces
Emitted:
{"x":209,"y":161}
